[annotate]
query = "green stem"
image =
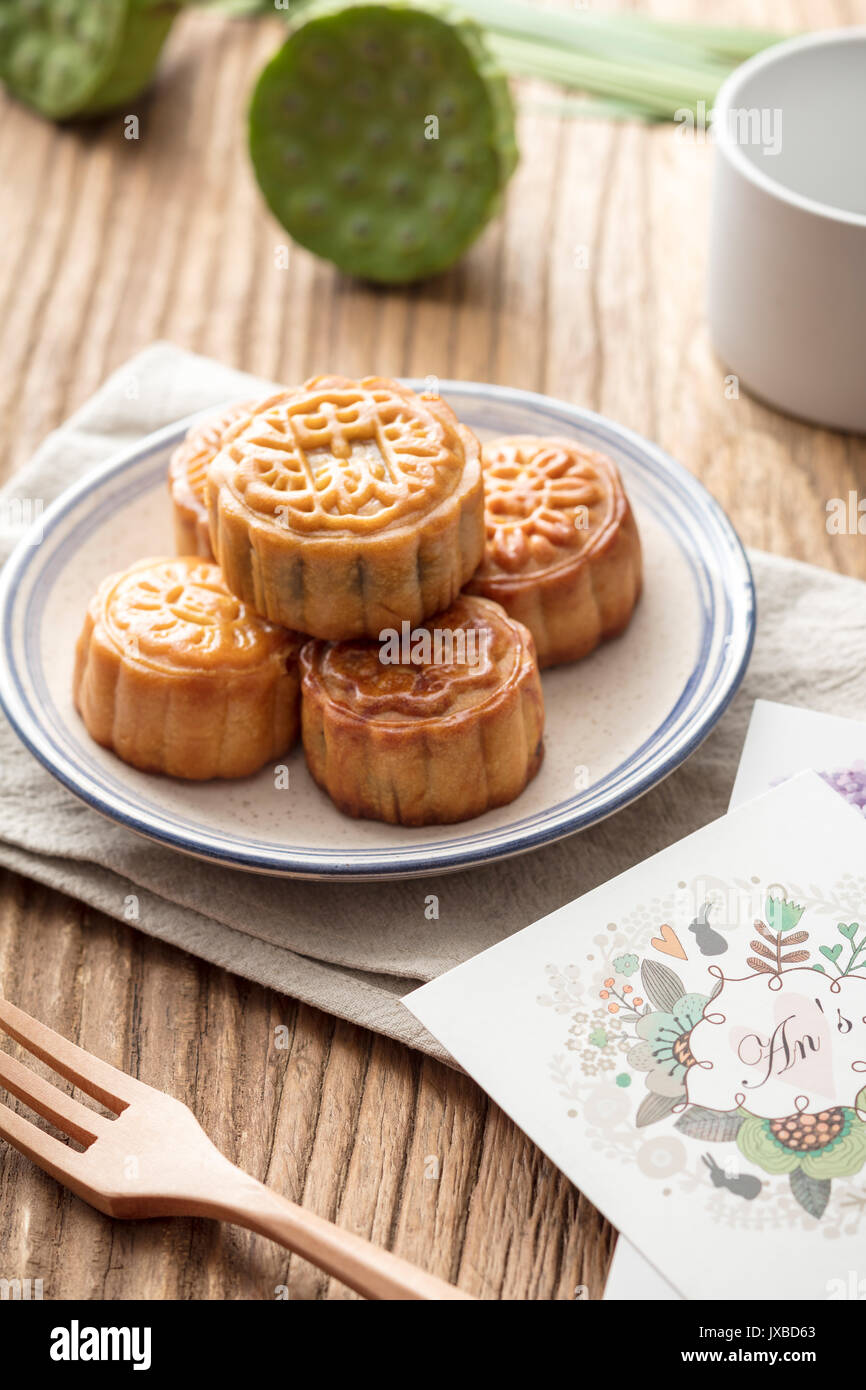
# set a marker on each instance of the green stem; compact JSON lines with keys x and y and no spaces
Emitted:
{"x":587,"y":33}
{"x":588,"y":108}
{"x":731,"y":43}
{"x":855,"y":952}
{"x":659,"y":93}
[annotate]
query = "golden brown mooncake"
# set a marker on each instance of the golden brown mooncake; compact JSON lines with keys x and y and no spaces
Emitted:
{"x":563,"y":553}
{"x":177,"y":675}
{"x":186,"y":474}
{"x":433,"y":725}
{"x":342,"y":507}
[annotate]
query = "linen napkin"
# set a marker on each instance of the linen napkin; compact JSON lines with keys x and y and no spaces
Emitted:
{"x":355,"y":949}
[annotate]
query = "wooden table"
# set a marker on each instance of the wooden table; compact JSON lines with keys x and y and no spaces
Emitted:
{"x":589,"y":288}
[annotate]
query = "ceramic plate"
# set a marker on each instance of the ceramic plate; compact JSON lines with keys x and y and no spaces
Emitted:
{"x":617,"y":723}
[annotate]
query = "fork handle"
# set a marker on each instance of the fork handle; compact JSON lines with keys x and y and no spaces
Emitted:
{"x":366,"y":1268}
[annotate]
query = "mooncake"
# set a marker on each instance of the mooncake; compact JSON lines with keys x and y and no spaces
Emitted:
{"x":563,"y":553}
{"x":186,"y":473}
{"x":431,"y":725}
{"x":344,"y":506}
{"x":176,"y":675}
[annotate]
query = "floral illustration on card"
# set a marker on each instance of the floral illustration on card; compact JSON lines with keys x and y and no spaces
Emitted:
{"x":736,"y":1060}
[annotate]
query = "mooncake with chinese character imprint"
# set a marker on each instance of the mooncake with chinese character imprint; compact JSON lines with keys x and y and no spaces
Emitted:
{"x":186,"y":475}
{"x":433,"y":725}
{"x":343,"y":506}
{"x":563,"y":553}
{"x":176,"y":675}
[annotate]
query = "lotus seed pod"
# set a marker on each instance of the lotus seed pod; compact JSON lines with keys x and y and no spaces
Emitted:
{"x":69,"y":58}
{"x":382,"y":137}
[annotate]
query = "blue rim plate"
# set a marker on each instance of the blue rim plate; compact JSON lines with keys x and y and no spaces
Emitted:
{"x":698,"y":551}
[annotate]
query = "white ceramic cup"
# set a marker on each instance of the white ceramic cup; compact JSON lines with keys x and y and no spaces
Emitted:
{"x":787,"y":282}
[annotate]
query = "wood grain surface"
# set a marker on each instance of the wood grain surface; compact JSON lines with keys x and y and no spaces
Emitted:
{"x":590,"y":287}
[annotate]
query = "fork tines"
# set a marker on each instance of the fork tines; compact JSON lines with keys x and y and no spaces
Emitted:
{"x":112,"y":1088}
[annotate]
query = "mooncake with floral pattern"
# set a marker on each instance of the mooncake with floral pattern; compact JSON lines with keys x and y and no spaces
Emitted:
{"x":177,"y":675}
{"x":563,"y":554}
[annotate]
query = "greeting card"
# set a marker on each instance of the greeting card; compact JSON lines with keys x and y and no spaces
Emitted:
{"x":688,"y":1044}
{"x":782,"y":740}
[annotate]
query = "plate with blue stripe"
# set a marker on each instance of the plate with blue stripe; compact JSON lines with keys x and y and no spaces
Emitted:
{"x":617,"y":722}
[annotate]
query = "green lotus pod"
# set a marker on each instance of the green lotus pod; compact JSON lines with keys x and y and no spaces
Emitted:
{"x":69,"y":58}
{"x":382,"y":137}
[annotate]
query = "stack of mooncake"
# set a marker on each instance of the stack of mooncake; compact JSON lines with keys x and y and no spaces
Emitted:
{"x":354,"y":567}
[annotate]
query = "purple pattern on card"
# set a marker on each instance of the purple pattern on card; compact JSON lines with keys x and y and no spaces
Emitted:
{"x":851,"y":783}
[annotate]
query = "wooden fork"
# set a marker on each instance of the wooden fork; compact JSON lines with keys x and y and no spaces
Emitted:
{"x":152,"y":1158}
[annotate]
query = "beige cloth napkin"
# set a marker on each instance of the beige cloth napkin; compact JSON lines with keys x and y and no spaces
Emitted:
{"x":355,"y":949}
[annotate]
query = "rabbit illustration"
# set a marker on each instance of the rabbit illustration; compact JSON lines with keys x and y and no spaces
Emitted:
{"x":744,"y":1185}
{"x":710,"y":942}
